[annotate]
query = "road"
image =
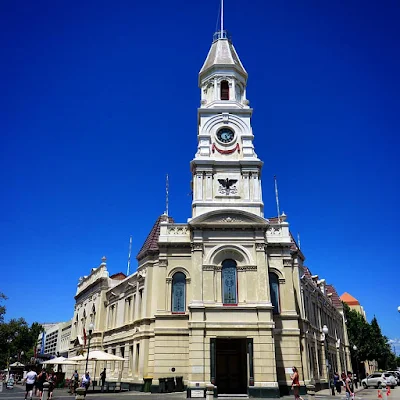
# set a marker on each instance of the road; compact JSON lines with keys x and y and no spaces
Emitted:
{"x":60,"y":394}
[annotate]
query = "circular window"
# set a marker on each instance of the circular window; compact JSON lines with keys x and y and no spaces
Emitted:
{"x":225,"y":135}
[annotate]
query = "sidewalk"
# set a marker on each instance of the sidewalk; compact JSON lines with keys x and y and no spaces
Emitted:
{"x":328,"y":392}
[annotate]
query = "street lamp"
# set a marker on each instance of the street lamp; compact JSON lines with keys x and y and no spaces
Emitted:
{"x":325,"y":330}
{"x":355,"y":356}
{"x":91,"y":327}
{"x":9,"y":340}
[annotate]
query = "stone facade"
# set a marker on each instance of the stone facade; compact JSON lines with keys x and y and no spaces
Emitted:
{"x":224,"y":298}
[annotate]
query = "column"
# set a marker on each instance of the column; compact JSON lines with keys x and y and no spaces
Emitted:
{"x":256,"y":186}
{"x":209,"y":185}
{"x":198,"y":195}
{"x":246,"y":185}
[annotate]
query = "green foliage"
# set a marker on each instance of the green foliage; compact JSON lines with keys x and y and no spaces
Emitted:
{"x":17,"y":336}
{"x":2,"y":307}
{"x":371,"y":343}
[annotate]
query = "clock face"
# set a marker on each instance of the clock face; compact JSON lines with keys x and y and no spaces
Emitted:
{"x":225,"y":135}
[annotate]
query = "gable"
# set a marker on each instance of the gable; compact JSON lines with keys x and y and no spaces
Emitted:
{"x":229,"y":218}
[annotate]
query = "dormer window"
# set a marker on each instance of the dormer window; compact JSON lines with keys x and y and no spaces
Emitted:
{"x":224,"y":90}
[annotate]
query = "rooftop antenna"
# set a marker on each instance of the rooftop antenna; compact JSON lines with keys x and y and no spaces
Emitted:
{"x":129,"y":256}
{"x":277,"y":198}
{"x":166,"y":196}
{"x":222,"y":19}
{"x":298,"y":240}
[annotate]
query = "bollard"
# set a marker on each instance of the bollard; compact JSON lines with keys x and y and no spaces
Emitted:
{"x":209,"y":391}
{"x":311,"y":391}
{"x":80,"y":393}
{"x":45,"y":393}
{"x":1,"y":386}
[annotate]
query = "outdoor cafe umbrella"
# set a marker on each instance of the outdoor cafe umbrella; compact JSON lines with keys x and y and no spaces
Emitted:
{"x":17,"y":364}
{"x":60,"y":361}
{"x":97,"y":355}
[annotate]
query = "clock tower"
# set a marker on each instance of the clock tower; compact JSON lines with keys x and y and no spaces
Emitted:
{"x":226,"y":170}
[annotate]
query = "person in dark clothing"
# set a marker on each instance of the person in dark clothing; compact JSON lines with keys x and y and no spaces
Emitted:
{"x":337,"y":383}
{"x":52,"y":382}
{"x":41,"y":379}
{"x":103,"y":376}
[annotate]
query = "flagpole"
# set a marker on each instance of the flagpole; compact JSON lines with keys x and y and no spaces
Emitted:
{"x":277,"y":198}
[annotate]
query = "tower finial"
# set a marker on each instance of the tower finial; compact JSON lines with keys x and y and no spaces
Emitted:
{"x":222,"y":18}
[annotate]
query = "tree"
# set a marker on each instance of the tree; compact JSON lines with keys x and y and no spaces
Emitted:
{"x":2,"y":307}
{"x":17,"y":336}
{"x":359,"y":334}
{"x":371,"y":343}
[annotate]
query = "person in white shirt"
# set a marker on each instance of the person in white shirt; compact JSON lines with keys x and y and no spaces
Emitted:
{"x":30,"y":381}
{"x":86,"y":380}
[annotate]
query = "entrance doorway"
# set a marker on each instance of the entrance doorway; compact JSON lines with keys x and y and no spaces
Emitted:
{"x":231,"y":366}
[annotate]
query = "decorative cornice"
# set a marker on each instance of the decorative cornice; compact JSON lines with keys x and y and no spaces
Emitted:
{"x":260,"y":247}
{"x":239,"y":268}
{"x":197,"y":246}
{"x":287,"y":262}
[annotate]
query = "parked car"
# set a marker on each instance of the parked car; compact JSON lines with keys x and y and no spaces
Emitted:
{"x":379,"y":380}
{"x":396,"y":374}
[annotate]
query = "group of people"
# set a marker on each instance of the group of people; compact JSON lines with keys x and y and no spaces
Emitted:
{"x":343,"y":380}
{"x":346,"y":381}
{"x":84,"y":381}
{"x":34,"y":383}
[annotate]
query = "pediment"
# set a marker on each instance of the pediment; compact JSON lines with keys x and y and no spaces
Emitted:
{"x":228,"y":218}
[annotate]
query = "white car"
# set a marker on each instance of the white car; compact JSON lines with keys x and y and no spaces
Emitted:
{"x":396,"y":374}
{"x":379,"y":380}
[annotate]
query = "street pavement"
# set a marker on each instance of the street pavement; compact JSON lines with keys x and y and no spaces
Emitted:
{"x":61,"y":394}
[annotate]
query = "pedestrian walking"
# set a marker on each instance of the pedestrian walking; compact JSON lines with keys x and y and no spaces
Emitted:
{"x":85,"y":382}
{"x":296,"y":384}
{"x":103,"y":376}
{"x":349,"y":386}
{"x":41,"y":379}
{"x":337,"y":383}
{"x":29,"y":382}
{"x":74,"y":383}
{"x":52,"y":383}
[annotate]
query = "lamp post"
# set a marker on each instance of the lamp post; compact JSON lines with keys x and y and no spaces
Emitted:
{"x":326,"y":331}
{"x":91,"y":327}
{"x":9,"y":340}
{"x":355,"y":356}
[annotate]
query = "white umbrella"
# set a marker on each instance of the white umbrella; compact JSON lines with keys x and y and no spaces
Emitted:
{"x":17,"y":364}
{"x":97,"y":355}
{"x":60,"y":361}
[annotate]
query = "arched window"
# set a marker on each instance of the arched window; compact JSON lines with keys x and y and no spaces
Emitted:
{"x":229,"y":282}
{"x":178,"y":292}
{"x":224,"y":90}
{"x":274,"y":289}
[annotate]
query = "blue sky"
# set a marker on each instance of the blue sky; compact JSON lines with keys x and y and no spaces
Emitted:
{"x":99,"y":103}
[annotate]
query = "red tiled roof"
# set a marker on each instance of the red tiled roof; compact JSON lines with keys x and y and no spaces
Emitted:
{"x":330,"y":289}
{"x":119,"y":276}
{"x":150,"y":245}
{"x":349,"y":299}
